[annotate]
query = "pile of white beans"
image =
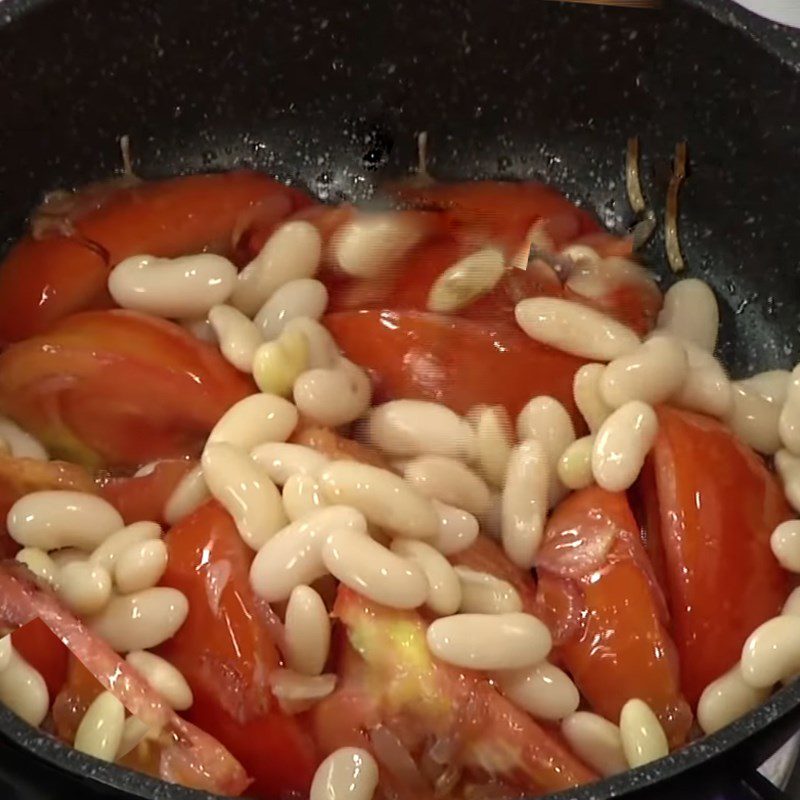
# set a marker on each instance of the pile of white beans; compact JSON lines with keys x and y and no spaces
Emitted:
{"x":389,"y":534}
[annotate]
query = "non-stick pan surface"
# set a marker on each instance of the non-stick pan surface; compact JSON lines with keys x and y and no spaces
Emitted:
{"x":330,"y":94}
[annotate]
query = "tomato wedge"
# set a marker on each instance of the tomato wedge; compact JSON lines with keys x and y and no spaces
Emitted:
{"x":44,"y":651}
{"x":621,"y":648}
{"x":460,"y":363}
{"x":226,"y":652}
{"x":718,"y":506}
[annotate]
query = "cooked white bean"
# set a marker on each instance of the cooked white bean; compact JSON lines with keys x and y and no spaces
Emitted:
{"x":176,"y":288}
{"x":444,"y":588}
{"x":491,"y":523}
{"x":245,"y":490}
{"x":301,"y":496}
{"x":543,"y":418}
{"x":53,"y":519}
{"x":296,"y":692}
{"x":726,"y":699}
{"x":643,"y":738}
{"x":140,"y":566}
{"x":489,"y":641}
{"x":408,"y":428}
{"x":70,"y":555}
{"x":772,"y":652}
{"x":785,"y":543}
{"x":200,"y":328}
{"x":334,"y":396}
{"x":545,"y":691}
{"x":23,"y":689}
{"x":278,"y":364}
{"x":237,"y":336}
{"x":134,"y":731}
{"x":5,"y":651}
{"x":524,"y":503}
{"x":100,"y":731}
{"x":307,"y":631}
{"x":108,"y":553}
{"x":596,"y":741}
{"x":348,"y":773}
{"x":594,"y":278}
{"x":281,"y":460}
{"x":370,"y":244}
{"x":293,"y":556}
{"x":40,"y":564}
{"x":448,"y":481}
{"x":652,"y":373}
{"x":789,"y":422}
{"x":22,"y":444}
{"x":385,"y":499}
{"x":575,"y":465}
{"x":323,"y":351}
{"x":374,"y":571}
{"x":706,"y":388}
{"x":254,"y":420}
{"x":493,"y":441}
{"x":774,"y":385}
{"x":84,"y":587}
{"x":187,"y":496}
{"x":457,"y":530}
{"x":586,"y":391}
{"x":788,"y":468}
{"x":622,"y":444}
{"x":292,"y":252}
{"x":482,"y":593}
{"x":142,"y":620}
{"x":304,"y":297}
{"x":690,"y":312}
{"x":791,"y":608}
{"x":166,"y":679}
{"x":468,"y":279}
{"x":575,"y":328}
{"x":753,"y":417}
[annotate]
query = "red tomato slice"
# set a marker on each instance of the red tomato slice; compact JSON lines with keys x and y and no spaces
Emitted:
{"x":226,"y":652}
{"x":42,"y":649}
{"x":118,"y":388}
{"x":718,"y":507}
{"x":621,"y":649}
{"x":457,"y":362}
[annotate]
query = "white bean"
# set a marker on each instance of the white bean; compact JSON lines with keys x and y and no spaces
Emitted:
{"x":594,"y":278}
{"x":586,"y":391}
{"x":726,"y":699}
{"x":295,"y":692}
{"x":40,"y":564}
{"x":187,"y":496}
{"x":108,"y":553}
{"x":100,"y":731}
{"x":301,"y":496}
{"x":772,"y":652}
{"x":408,"y":428}
{"x":166,"y":679}
{"x":753,"y":417}
{"x":652,"y":373}
{"x":254,"y":420}
{"x":690,"y":312}
{"x":524,"y":503}
{"x":469,"y":278}
{"x":622,"y":444}
{"x":785,"y":543}
{"x":278,"y":364}
{"x":292,"y":252}
{"x":788,"y":468}
{"x":200,"y":328}
{"x":482,"y":593}
{"x":281,"y":460}
{"x":493,"y":441}
{"x":457,"y":530}
{"x":134,"y":731}
{"x":22,"y":444}
{"x":323,"y":351}
{"x":489,"y":641}
{"x":293,"y":556}
{"x":142,"y":620}
{"x":596,"y":741}
{"x":69,"y":555}
{"x":334,"y":396}
{"x":5,"y":651}
{"x":545,"y":691}
{"x":575,"y":465}
{"x":791,"y":608}
{"x":304,"y":297}
{"x":385,"y":499}
{"x":643,"y":738}
{"x":140,"y":566}
{"x":448,"y":481}
{"x":348,"y":773}
{"x":774,"y":385}
{"x":84,"y":587}
{"x":53,"y":519}
{"x":374,"y":571}
{"x":237,"y":336}
{"x":23,"y":689}
{"x":307,"y":631}
{"x":368,"y":246}
{"x":444,"y":588}
{"x":789,"y":421}
{"x":543,"y":418}
{"x":706,"y":388}
{"x":175,"y":288}
{"x":574,"y":328}
{"x":246,"y":492}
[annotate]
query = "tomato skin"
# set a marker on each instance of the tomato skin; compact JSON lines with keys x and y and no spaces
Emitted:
{"x":621,"y":648}
{"x":42,"y":649}
{"x":227,"y":652}
{"x":461,"y":363}
{"x":718,"y":507}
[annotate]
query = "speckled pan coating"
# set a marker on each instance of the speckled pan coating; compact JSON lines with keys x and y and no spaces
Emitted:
{"x":330,"y":93}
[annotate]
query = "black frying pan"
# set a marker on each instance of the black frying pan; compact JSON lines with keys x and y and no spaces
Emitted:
{"x":330,"y":93}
